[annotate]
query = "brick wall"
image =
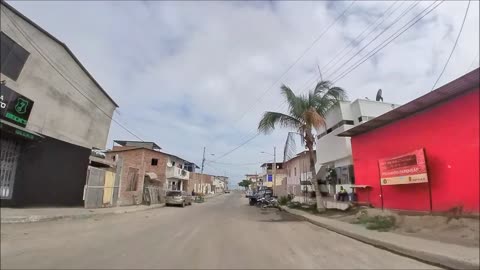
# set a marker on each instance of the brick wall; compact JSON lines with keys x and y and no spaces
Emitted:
{"x":142,"y":160}
{"x":196,"y":179}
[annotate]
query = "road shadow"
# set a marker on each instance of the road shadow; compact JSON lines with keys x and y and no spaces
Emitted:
{"x":278,"y":216}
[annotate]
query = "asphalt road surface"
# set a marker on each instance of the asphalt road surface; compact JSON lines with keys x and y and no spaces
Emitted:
{"x":223,"y":232}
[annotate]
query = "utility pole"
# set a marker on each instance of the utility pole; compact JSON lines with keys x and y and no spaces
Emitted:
{"x":201,"y":172}
{"x":274,"y":169}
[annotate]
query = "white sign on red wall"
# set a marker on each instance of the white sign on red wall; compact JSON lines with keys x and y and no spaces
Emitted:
{"x":409,"y":168}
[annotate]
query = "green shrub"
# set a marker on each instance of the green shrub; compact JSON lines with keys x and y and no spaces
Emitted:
{"x":283,"y":200}
{"x":379,"y":223}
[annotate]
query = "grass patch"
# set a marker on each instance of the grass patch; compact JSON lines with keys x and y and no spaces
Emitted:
{"x":379,"y":223}
{"x":312,"y":209}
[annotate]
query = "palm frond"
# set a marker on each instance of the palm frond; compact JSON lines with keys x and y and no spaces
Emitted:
{"x":270,"y":119}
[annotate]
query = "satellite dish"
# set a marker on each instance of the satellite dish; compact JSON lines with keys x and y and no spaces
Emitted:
{"x":379,"y":95}
{"x":169,"y":164}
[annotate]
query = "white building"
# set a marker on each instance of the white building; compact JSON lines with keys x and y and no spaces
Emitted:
{"x":220,"y":184}
{"x":336,"y":152}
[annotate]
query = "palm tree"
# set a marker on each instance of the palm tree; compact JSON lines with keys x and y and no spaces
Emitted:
{"x":305,"y":114}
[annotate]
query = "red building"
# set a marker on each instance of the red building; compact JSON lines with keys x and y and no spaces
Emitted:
{"x":445,"y":124}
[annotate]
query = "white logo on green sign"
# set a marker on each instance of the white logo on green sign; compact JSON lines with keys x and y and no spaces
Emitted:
{"x":21,"y":106}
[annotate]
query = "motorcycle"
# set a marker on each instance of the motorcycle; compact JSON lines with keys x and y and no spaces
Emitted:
{"x":267,"y":202}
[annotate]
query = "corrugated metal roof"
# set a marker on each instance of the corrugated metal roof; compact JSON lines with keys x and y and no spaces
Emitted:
{"x":467,"y":82}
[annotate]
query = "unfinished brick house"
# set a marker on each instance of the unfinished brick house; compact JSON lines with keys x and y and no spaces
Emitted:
{"x":147,"y":173}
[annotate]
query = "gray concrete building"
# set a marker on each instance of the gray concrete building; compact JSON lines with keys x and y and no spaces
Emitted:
{"x":53,"y":112}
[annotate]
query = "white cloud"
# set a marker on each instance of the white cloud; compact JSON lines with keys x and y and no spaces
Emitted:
{"x":184,"y":73}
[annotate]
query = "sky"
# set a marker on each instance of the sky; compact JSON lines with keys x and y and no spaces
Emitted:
{"x":189,"y":75}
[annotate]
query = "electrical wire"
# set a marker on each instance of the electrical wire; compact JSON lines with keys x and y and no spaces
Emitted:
{"x":258,"y":133}
{"x":349,"y":70}
{"x":454,"y":45}
{"x":50,"y":62}
{"x":403,"y":14}
{"x":336,"y":59}
{"x":298,"y":58}
{"x":284,"y":73}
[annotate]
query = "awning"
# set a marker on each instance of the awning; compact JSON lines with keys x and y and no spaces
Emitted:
{"x":151,"y":175}
{"x":19,"y":131}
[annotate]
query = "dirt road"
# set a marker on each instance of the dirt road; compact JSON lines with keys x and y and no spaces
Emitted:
{"x":223,"y":233}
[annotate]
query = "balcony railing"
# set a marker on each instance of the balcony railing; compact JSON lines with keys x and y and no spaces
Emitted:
{"x":175,"y":172}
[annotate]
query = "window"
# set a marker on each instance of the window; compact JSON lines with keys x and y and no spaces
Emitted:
{"x":154,"y":162}
{"x":173,"y":163}
{"x":113,"y":157}
{"x":12,"y":57}
{"x":295,"y":171}
{"x":360,"y":119}
{"x":132,"y":179}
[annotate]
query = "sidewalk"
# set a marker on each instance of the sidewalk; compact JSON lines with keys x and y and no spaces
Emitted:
{"x":433,"y":252}
{"x":27,"y":215}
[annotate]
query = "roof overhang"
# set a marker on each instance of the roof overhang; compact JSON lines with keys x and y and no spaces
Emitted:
{"x":19,"y":131}
{"x":151,"y":175}
{"x":464,"y":84}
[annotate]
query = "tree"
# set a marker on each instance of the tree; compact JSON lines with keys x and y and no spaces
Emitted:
{"x":306,"y":113}
{"x":245,"y":183}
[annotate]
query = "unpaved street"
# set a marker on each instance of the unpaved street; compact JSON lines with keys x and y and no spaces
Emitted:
{"x":224,"y":233}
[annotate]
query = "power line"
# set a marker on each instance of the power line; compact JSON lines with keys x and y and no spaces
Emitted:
{"x":408,"y":9}
{"x":50,"y":62}
{"x":338,"y":59}
{"x":300,"y":57}
{"x":353,"y":67}
{"x":236,"y":164}
{"x":257,"y":133}
{"x":454,"y":45}
{"x":237,"y":147}
{"x":384,"y":16}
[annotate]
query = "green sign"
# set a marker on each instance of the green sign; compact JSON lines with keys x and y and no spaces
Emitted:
{"x":14,"y":107}
{"x":10,"y":129}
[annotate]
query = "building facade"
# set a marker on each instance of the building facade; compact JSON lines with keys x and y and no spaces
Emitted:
{"x":255,"y":181}
{"x":145,"y":167}
{"x":334,"y":152}
{"x":220,"y":184}
{"x":444,"y":124}
{"x":274,"y":179}
{"x":200,"y":183}
{"x":53,"y":113}
{"x":299,"y":175}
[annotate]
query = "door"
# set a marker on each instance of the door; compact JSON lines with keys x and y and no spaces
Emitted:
{"x":9,"y":154}
{"x":108,"y":188}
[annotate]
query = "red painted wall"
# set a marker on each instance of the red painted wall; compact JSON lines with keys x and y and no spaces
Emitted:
{"x":449,"y":132}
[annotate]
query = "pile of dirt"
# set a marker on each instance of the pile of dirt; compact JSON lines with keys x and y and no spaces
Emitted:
{"x":462,"y":231}
{"x":457,"y":230}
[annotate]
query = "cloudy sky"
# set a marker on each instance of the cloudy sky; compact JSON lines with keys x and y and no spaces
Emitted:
{"x":193,"y":74}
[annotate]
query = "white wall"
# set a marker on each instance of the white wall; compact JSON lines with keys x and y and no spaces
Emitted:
{"x":370,"y":108}
{"x":337,"y":151}
{"x":59,"y":111}
{"x":331,"y":147}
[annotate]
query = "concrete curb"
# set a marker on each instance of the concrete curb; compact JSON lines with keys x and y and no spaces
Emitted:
{"x":41,"y":218}
{"x":426,"y":256}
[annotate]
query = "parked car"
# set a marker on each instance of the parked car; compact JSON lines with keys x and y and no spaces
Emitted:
{"x":177,"y":197}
